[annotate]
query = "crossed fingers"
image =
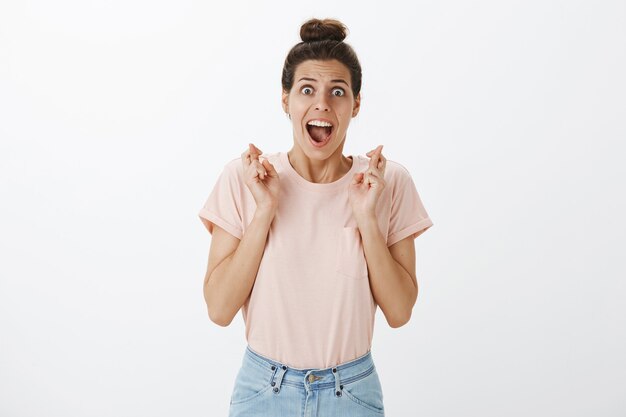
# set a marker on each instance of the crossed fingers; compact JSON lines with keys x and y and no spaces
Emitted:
{"x":377,"y":162}
{"x":251,"y":157}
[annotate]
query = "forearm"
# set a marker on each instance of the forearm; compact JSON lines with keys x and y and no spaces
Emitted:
{"x":231,"y":281}
{"x":391,"y":285}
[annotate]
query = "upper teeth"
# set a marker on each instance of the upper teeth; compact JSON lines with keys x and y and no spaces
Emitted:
{"x":320,"y":123}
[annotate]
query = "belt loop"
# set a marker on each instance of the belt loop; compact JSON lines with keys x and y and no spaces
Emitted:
{"x":338,"y":386}
{"x":277,"y":384}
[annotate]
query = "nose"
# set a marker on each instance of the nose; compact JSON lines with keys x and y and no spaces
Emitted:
{"x":322,"y":104}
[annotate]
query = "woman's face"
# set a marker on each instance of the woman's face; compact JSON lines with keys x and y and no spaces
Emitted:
{"x":321,"y":90}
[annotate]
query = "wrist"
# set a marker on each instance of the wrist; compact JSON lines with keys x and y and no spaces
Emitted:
{"x":366,"y":219}
{"x":265,"y":211}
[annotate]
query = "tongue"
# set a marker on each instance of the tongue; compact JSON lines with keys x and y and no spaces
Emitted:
{"x":319,"y":133}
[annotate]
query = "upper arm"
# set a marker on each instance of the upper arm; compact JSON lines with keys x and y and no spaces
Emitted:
{"x":223,"y":245}
{"x":403,"y":252}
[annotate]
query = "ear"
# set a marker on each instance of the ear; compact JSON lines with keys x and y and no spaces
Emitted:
{"x":285,"y":101}
{"x":357,"y":105}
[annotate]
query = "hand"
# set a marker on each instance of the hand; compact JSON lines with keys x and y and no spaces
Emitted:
{"x":366,"y":187}
{"x":261,"y":178}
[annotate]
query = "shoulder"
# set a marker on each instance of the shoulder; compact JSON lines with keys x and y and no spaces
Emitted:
{"x":232,"y":172}
{"x":233,"y":165}
{"x":395,"y":172}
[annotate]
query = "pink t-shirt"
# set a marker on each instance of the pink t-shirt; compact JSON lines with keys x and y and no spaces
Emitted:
{"x":311,"y":305}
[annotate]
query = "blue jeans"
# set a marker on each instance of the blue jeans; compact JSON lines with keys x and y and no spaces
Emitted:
{"x":266,"y":388}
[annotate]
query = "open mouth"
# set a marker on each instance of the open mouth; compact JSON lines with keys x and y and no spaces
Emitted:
{"x":319,"y":134}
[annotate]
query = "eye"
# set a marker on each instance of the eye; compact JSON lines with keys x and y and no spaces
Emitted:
{"x":305,"y":88}
{"x":343,"y":93}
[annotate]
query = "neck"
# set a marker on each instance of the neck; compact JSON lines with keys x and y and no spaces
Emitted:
{"x":319,"y":171}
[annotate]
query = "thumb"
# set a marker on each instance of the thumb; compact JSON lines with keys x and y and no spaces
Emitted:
{"x":269,"y":167}
{"x":356,"y":178}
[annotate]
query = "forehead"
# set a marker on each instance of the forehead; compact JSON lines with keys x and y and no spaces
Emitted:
{"x":322,"y":70}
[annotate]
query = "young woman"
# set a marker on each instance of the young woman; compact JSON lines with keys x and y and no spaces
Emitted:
{"x":308,"y":243}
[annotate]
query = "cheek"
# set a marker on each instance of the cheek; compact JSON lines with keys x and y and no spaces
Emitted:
{"x":345,"y":118}
{"x":299,"y":110}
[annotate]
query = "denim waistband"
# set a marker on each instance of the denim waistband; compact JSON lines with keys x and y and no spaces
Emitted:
{"x":314,"y":378}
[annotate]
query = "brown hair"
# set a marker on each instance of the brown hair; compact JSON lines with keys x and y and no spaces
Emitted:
{"x":322,"y":40}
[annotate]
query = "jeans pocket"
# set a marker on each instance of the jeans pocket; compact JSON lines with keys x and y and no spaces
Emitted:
{"x":251,"y":382}
{"x":366,"y":392}
{"x":350,"y":255}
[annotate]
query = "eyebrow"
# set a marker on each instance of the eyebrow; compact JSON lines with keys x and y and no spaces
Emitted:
{"x":332,"y":81}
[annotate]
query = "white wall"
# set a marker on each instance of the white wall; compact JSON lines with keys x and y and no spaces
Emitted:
{"x":116,"y":117}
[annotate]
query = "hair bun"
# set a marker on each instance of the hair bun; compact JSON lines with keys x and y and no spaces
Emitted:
{"x":319,"y":30}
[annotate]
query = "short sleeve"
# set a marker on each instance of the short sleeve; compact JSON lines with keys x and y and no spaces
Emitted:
{"x":223,"y":206}
{"x":408,"y":215}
